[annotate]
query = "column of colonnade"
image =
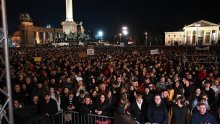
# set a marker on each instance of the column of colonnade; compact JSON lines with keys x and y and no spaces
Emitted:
{"x":44,"y":39}
{"x":213,"y":36}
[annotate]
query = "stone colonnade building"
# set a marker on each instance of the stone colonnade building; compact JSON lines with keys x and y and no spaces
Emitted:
{"x":29,"y":35}
{"x":198,"y":33}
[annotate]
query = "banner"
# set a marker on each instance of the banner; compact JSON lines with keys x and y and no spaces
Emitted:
{"x":90,"y":51}
{"x":37,"y":59}
{"x":203,"y":48}
{"x":60,"y":44}
{"x":154,"y":52}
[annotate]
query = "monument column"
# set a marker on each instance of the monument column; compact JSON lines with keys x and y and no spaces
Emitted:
{"x":69,"y":10}
{"x":69,"y":25}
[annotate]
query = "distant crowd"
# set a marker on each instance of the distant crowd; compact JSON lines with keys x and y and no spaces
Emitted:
{"x":126,"y":81}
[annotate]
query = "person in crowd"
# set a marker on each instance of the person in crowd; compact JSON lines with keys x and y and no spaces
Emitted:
{"x":94,"y":96}
{"x":165,"y":99}
{"x":17,"y":104}
{"x":137,"y":109}
{"x":17,"y":94}
{"x":161,"y":85}
{"x":179,"y":112}
{"x":210,"y":92}
{"x":216,"y":87}
{"x":54,"y":94}
{"x":188,"y":87}
{"x":147,"y":96}
{"x":157,"y":111}
{"x":70,"y":103}
{"x":194,"y":98}
{"x":39,"y":90}
{"x":48,"y":106}
{"x":87,"y":106}
{"x":203,"y":99}
{"x":202,"y":117}
{"x":102,"y":107}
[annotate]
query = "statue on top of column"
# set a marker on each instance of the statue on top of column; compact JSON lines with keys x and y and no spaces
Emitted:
{"x":25,"y":17}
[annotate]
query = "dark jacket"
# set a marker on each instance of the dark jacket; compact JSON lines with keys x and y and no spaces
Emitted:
{"x":179,"y":115}
{"x":157,"y":114}
{"x":66,"y":102}
{"x":207,"y":118}
{"x":86,"y":109}
{"x":104,"y":107}
{"x":49,"y":108}
{"x":136,"y":113}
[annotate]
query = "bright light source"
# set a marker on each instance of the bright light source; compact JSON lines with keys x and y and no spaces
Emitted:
{"x":120,"y":34}
{"x":100,"y":33}
{"x":125,"y":32}
{"x":124,"y":28}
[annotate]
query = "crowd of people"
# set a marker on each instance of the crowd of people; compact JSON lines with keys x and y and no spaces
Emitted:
{"x":159,"y":88}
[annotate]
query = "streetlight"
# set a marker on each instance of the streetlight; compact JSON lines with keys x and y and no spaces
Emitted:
{"x":146,"y":37}
{"x":100,"y":34}
{"x":125,"y":33}
{"x":120,"y":38}
{"x":125,"y":30}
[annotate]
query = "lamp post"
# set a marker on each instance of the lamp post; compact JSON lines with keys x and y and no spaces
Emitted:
{"x":120,"y":38}
{"x":125,"y":33}
{"x":146,"y":37}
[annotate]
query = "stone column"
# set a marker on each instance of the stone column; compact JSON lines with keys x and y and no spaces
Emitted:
{"x":51,"y":37}
{"x":217,"y":31}
{"x":210,"y":40}
{"x":44,"y":37}
{"x":37,"y":37}
{"x":69,"y":10}
{"x":185,"y":38}
{"x":204,"y":35}
{"x":191,"y":38}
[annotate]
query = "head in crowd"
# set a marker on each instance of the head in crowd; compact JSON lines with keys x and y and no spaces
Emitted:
{"x":102,"y":98}
{"x":157,"y":99}
{"x":47,"y":97}
{"x":16,"y":104}
{"x":139,"y":98}
{"x":180,"y":101}
{"x":201,"y":108}
{"x":87,"y":100}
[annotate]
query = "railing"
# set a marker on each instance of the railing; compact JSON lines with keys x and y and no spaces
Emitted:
{"x":72,"y":117}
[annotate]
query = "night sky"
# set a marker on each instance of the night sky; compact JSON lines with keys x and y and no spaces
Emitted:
{"x":110,"y":15}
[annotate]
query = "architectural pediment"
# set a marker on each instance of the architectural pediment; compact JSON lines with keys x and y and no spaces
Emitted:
{"x":202,"y":23}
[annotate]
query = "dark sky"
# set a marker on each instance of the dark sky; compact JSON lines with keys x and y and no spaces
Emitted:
{"x":111,"y":15}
